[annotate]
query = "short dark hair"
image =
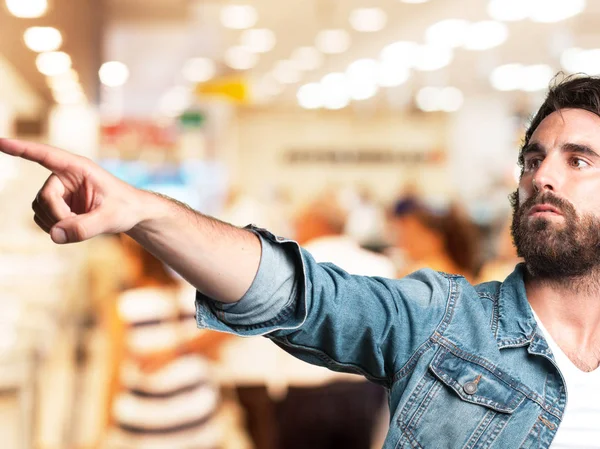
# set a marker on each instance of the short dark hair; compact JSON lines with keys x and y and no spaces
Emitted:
{"x":577,"y":91}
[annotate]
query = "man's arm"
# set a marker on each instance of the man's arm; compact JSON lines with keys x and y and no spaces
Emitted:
{"x":270,"y":286}
{"x":80,"y":200}
{"x":218,"y":259}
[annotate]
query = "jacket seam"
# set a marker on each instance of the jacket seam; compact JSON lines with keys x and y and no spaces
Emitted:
{"x":495,"y":311}
{"x":493,"y":369}
{"x":331,"y":361}
{"x":448,"y":313}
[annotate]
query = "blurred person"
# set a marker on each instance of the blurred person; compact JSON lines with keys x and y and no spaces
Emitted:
{"x":366,"y":221}
{"x":408,"y":199}
{"x":500,"y":364}
{"x":446,"y":242}
{"x":309,"y":223}
{"x":270,"y":208}
{"x":323,"y":409}
{"x":168,"y":396}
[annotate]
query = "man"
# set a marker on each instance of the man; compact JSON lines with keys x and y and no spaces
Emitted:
{"x":465,"y":366}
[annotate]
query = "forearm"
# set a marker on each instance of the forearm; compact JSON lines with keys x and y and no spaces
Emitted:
{"x":218,"y":259}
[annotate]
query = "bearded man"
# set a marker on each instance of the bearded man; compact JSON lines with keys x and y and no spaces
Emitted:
{"x":510,"y":364}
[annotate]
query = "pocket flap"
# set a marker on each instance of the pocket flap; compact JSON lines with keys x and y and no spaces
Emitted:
{"x":476,"y":384}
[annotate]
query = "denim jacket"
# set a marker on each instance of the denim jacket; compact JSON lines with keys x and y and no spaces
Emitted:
{"x":465,"y":366}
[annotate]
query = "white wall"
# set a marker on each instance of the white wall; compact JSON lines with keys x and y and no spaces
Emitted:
{"x":264,"y":137}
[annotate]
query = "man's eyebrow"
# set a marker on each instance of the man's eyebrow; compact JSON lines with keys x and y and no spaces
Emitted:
{"x":579,"y":148}
{"x":532,"y":148}
{"x":567,"y":147}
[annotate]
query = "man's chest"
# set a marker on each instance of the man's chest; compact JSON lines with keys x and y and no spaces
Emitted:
{"x":586,"y":361}
{"x":460,"y":399}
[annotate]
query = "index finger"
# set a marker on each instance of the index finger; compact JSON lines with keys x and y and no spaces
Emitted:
{"x":54,"y":159}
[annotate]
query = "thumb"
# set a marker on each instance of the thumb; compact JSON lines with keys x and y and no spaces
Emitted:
{"x":79,"y":227}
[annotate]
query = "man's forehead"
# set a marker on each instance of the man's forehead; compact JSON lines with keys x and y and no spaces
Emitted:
{"x":568,"y":125}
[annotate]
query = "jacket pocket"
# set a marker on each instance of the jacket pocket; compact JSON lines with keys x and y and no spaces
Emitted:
{"x":458,"y":404}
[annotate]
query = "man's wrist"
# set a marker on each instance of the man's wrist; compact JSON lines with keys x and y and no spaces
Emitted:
{"x":153,"y":208}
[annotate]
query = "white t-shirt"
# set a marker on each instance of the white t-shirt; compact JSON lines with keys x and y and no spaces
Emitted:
{"x":580,"y":427}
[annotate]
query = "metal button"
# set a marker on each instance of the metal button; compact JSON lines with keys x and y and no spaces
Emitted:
{"x":470,"y":388}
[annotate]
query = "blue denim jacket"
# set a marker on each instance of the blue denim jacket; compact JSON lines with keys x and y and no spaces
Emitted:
{"x":465,"y":366}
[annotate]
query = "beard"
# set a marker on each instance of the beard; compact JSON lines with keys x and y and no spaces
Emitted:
{"x":554,"y":250}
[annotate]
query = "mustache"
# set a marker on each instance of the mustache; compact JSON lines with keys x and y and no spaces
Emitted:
{"x":549,"y":198}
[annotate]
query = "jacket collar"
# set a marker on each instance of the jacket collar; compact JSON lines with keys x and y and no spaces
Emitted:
{"x":516,"y":323}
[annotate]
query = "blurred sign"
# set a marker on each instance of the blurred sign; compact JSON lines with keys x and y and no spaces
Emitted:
{"x":366,"y":156}
{"x":130,"y":137}
{"x":192,"y":119}
{"x":233,"y":89}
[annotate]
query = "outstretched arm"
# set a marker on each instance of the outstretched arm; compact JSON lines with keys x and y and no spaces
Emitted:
{"x":80,"y":200}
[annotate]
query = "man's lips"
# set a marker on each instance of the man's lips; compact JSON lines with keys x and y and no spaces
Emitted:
{"x":544,"y":208}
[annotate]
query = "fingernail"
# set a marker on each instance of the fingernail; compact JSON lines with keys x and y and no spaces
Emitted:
{"x":59,"y":235}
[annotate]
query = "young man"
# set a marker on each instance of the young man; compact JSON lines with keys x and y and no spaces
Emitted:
{"x":465,"y":366}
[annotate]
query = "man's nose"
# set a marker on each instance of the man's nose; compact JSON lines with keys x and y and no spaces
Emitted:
{"x":547,"y":176}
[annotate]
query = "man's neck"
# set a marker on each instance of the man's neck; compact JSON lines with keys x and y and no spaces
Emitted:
{"x":570,"y":310}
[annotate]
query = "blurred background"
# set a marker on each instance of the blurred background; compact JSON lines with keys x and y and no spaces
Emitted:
{"x":382,"y":135}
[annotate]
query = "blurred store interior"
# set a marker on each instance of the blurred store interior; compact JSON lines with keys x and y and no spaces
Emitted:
{"x":382,"y":134}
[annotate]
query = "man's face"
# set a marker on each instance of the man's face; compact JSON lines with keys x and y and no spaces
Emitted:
{"x":556,"y":220}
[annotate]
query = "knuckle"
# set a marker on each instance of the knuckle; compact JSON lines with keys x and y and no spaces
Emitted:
{"x":79,"y":231}
{"x":45,"y":198}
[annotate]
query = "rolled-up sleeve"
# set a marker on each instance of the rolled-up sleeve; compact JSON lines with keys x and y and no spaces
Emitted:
{"x":270,"y":299}
{"x":321,"y":314}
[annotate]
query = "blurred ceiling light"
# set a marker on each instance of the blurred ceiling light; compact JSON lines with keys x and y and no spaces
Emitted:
{"x":577,"y":60}
{"x":310,"y":96}
{"x":69,"y":97}
{"x":240,"y":58}
{"x":401,"y":53}
{"x":258,"y":40}
{"x":40,"y":39}
{"x":199,"y":70}
{"x":27,"y":9}
{"x":286,"y":72}
{"x":427,"y":99}
{"x":113,"y":74}
{"x":307,"y":58}
{"x":507,"y":77}
{"x":238,"y":17}
{"x":64,"y":84}
{"x":64,"y":80}
{"x":536,"y":77}
{"x":530,"y":78}
{"x":53,"y":63}
{"x":363,"y":91}
{"x":336,"y":91}
{"x":363,"y":71}
{"x":433,"y":57}
{"x":450,"y":99}
{"x":362,"y":76}
{"x":572,"y":58}
{"x":368,"y":20}
{"x":333,"y":41}
{"x":509,"y":10}
{"x":391,"y":74}
{"x":449,"y":32}
{"x":485,"y":35}
{"x":447,"y":99}
{"x":550,"y":11}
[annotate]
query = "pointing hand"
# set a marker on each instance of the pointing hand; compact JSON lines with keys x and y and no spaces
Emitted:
{"x":79,"y":200}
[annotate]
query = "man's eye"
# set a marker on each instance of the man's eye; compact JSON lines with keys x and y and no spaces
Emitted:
{"x":579,"y":163}
{"x":532,"y":163}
